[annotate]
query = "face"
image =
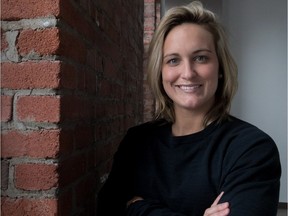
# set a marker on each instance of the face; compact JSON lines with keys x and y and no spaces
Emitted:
{"x":190,"y":68}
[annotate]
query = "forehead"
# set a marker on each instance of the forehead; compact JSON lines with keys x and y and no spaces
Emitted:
{"x":188,"y":36}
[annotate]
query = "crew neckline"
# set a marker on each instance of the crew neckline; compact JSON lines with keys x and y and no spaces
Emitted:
{"x":198,"y":135}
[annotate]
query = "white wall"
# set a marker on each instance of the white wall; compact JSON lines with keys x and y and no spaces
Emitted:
{"x":215,"y":5}
{"x":258,"y":37}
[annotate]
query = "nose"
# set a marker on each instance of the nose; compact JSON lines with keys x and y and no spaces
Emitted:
{"x":189,"y":70}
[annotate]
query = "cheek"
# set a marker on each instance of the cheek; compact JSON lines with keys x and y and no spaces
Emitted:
{"x":167,"y":80}
{"x":168,"y":75}
{"x":211,"y":73}
{"x":211,"y":76}
{"x":214,"y":83}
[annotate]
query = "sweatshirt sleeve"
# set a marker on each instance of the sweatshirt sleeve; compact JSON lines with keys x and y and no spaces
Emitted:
{"x":150,"y":208}
{"x":251,"y":179}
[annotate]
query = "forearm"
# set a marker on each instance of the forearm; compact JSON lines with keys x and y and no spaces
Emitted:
{"x":140,"y":207}
{"x":149,"y":208}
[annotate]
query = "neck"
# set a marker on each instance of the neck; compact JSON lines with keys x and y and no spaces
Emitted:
{"x":187,"y":123}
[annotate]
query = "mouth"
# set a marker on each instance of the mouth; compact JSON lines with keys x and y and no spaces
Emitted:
{"x":189,"y":88}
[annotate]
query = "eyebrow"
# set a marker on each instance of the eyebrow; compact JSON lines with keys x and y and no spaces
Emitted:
{"x":202,"y":50}
{"x":171,"y":54}
{"x":194,"y":52}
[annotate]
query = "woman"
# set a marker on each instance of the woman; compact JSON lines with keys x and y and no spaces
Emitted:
{"x":195,"y":158}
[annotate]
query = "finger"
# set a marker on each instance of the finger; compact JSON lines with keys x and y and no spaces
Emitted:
{"x":217,"y":199}
{"x":219,"y":210}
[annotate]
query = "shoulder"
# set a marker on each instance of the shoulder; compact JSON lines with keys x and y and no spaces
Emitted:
{"x":137,"y":136}
{"x":140,"y":133}
{"x":243,"y":130}
{"x":245,"y":139}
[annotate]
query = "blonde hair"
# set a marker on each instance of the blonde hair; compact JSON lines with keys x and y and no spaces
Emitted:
{"x":227,"y":85}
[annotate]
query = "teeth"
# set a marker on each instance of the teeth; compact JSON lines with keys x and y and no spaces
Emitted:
{"x":189,"y":88}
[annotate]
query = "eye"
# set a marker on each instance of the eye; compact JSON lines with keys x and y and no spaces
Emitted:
{"x":173,"y":61}
{"x":201,"y":59}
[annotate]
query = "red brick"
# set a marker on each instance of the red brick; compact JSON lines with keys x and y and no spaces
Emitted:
{"x":38,"y":109}
{"x":106,"y":7}
{"x":76,"y":108}
{"x":111,"y":70}
{"x":72,"y":47}
{"x":108,"y":48}
{"x":91,"y":160}
{"x":15,"y":9}
{"x":87,"y":80}
{"x":85,"y":192}
{"x":149,"y":10}
{"x":66,"y":142}
{"x":74,"y":17}
{"x":84,"y":136}
{"x":44,"y":42}
{"x":6,"y":107}
{"x":148,"y":37}
{"x":65,"y":202}
{"x":71,"y":108}
{"x":24,"y":206}
{"x":36,"y":144}
{"x":109,"y":29}
{"x":4,"y":174}
{"x":68,"y":76}
{"x":100,"y":110}
{"x":107,"y":89}
{"x":90,"y":81}
{"x":29,"y":75}
{"x":72,"y":169}
{"x":36,"y":176}
{"x":106,"y":151}
{"x":149,"y":24}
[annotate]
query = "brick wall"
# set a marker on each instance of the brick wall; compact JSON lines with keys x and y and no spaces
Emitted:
{"x":152,"y":13}
{"x":71,"y":85}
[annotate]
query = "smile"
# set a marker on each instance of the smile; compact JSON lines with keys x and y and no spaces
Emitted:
{"x":189,"y":88}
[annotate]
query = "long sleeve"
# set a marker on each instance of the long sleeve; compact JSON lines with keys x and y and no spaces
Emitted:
{"x":251,"y":177}
{"x":150,"y":208}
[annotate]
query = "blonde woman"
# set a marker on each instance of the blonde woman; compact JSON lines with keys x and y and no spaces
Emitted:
{"x":195,"y":158}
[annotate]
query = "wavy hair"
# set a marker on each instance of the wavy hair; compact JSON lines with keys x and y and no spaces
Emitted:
{"x":227,"y":84}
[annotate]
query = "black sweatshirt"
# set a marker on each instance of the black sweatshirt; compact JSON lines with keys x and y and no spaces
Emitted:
{"x":183,"y":175}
